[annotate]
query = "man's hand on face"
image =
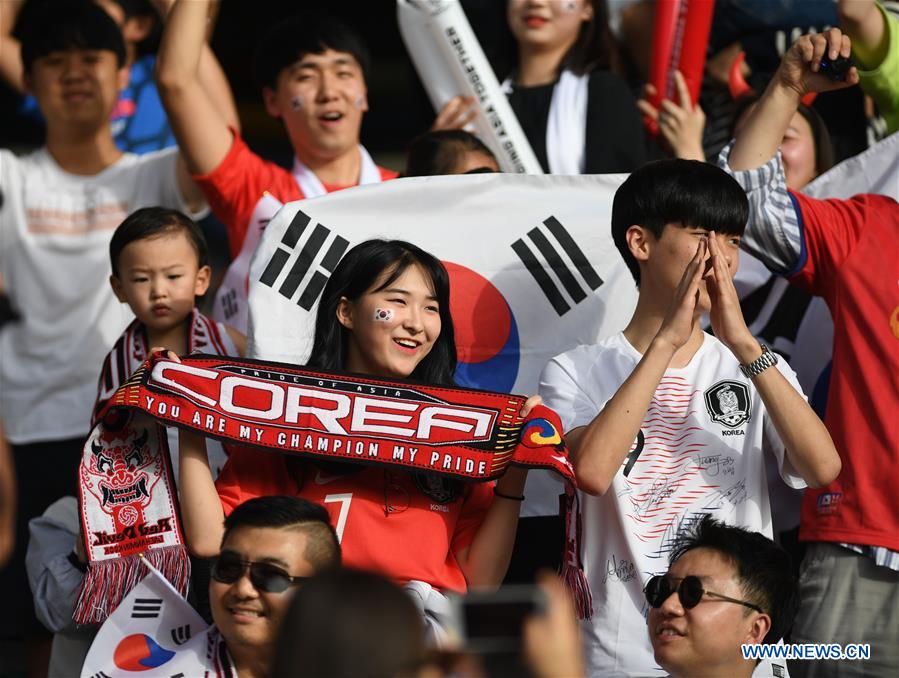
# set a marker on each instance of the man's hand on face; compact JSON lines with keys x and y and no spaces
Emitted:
{"x":726,"y":316}
{"x":681,"y":319}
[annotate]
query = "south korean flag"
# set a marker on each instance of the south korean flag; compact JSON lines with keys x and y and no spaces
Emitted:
{"x":153,"y":632}
{"x":533,"y":269}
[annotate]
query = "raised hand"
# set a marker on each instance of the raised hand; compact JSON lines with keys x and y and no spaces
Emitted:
{"x":171,"y":355}
{"x":682,"y":316}
{"x":725,"y":315}
{"x":800,"y":68}
{"x":529,"y":405}
{"x":458,"y":112}
{"x":681,"y":124}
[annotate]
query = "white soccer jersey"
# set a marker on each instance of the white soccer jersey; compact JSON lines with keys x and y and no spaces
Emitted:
{"x":699,"y":451}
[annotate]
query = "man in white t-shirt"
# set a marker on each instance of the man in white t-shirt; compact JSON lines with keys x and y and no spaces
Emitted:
{"x":60,"y":207}
{"x":665,"y":422}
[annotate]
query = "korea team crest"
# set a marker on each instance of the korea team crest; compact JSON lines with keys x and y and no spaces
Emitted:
{"x":728,"y":403}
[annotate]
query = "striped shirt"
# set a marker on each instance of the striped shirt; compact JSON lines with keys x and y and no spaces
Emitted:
{"x":774,"y":236}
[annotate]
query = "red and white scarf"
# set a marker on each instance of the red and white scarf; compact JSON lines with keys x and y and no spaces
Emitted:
{"x":127,"y":481}
{"x":128,"y":506}
{"x":131,"y":350}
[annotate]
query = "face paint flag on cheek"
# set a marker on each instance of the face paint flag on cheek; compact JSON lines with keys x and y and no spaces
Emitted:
{"x":297,"y":103}
{"x":384,"y":315}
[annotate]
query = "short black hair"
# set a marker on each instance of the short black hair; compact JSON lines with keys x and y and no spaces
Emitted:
{"x":151,"y":222}
{"x":291,"y":39}
{"x":681,"y":192}
{"x":438,"y":152}
{"x":293,"y":513}
{"x":69,"y":26}
{"x":764,"y":569}
{"x":144,"y":8}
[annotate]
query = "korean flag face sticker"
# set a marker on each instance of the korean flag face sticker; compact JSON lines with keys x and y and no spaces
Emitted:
{"x":384,"y":315}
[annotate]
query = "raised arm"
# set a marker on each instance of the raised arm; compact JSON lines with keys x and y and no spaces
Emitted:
{"x":199,"y":124}
{"x":599,"y":448}
{"x":866,"y":27}
{"x":485,"y":561}
{"x":798,"y":74}
{"x":808,"y":445}
{"x":10,"y":48}
{"x":201,"y":509}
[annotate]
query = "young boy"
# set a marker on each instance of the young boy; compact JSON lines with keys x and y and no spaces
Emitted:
{"x":60,"y":206}
{"x":664,"y":421}
{"x":312,"y":72}
{"x":159,"y":267}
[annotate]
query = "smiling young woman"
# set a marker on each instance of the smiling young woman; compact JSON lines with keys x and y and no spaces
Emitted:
{"x":385,"y":313}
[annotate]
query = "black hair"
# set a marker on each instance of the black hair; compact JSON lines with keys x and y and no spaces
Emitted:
{"x":350,"y":624}
{"x":824,"y":153}
{"x":294,"y":513}
{"x":679,"y":192}
{"x":764,"y":569}
{"x":144,"y":8}
{"x":595,"y":47}
{"x":69,"y":26}
{"x":152,"y":222}
{"x":439,"y":152}
{"x":358,"y":271}
{"x":311,"y":33}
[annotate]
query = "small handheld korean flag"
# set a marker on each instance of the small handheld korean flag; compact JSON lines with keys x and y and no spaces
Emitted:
{"x":153,"y":632}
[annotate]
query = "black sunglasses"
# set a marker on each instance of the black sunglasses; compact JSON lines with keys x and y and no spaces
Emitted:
{"x":228,"y":568}
{"x":689,"y":592}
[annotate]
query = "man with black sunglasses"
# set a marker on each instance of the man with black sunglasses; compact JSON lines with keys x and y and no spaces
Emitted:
{"x":270,"y":545}
{"x":725,"y":587}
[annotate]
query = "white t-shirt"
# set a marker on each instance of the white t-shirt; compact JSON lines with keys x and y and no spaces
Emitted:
{"x":55,"y":229}
{"x":699,"y":451}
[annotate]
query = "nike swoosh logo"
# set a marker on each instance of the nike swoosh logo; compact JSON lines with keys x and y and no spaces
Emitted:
{"x":324,"y":480}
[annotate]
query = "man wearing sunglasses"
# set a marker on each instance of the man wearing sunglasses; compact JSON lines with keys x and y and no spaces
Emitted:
{"x":725,"y":587}
{"x":270,"y":546}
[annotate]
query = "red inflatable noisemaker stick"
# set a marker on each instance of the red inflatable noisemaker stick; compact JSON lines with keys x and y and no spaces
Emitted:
{"x":680,"y":40}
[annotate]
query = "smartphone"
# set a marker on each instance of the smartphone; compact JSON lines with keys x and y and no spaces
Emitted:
{"x":837,"y":69}
{"x":492,"y":624}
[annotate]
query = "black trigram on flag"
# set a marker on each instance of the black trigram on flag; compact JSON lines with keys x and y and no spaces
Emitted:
{"x":564,"y":258}
{"x":146,"y":608}
{"x":100,"y":674}
{"x":181,"y":634}
{"x":303,"y":261}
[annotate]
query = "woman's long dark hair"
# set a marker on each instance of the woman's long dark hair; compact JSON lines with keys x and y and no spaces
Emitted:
{"x":595,"y":48}
{"x":355,"y":275}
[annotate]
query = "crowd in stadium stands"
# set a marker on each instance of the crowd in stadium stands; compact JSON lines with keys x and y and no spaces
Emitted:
{"x":104,"y":262}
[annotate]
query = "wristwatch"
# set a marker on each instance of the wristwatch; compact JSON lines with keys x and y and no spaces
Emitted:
{"x":760,"y":364}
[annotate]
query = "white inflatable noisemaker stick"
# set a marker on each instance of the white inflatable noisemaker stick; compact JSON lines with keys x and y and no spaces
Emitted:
{"x":450,"y":62}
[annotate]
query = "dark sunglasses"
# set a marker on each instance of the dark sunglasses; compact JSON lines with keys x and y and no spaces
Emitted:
{"x":227,"y":569}
{"x":689,"y":592}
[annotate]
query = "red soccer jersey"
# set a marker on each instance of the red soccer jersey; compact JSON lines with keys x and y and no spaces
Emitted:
{"x":385,"y":523}
{"x":851,"y":259}
{"x":236,"y":185}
